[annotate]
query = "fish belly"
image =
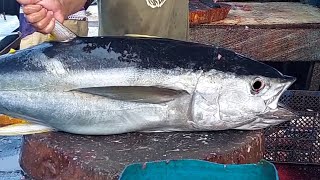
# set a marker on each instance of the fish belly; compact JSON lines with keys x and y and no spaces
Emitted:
{"x":82,"y":113}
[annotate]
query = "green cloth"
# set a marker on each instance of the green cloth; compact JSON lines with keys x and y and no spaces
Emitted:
{"x":120,"y":17}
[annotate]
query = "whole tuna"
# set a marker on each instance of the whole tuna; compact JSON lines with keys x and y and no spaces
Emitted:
{"x":112,"y":85}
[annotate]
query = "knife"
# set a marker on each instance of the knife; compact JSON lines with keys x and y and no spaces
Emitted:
{"x":62,"y":33}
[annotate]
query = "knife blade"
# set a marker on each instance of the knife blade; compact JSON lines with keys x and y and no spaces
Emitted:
{"x":62,"y":33}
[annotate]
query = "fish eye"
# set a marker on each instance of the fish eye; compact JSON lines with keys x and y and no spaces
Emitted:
{"x":257,"y":85}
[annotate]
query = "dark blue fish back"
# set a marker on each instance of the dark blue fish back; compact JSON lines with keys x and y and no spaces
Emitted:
{"x":91,"y":53}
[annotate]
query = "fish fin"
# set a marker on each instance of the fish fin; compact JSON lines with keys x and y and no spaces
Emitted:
{"x":7,"y":120}
{"x":13,"y":126}
{"x":140,"y":35}
{"x":12,"y":51}
{"x":23,"y":129}
{"x":142,"y":94}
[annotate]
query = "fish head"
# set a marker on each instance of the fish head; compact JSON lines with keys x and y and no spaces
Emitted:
{"x":253,"y":101}
{"x":256,"y":94}
{"x":254,"y":97}
{"x":242,"y":93}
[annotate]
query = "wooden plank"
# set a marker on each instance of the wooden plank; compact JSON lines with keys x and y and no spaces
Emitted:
{"x":271,"y":13}
{"x":65,"y":156}
{"x":276,"y":44}
{"x":276,"y":31}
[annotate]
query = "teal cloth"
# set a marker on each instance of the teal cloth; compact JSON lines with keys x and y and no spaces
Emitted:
{"x":199,"y":170}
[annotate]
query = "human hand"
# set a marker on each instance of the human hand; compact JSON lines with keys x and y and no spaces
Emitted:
{"x":43,"y":13}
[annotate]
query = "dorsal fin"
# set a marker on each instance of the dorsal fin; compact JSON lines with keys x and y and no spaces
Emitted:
{"x":143,"y":94}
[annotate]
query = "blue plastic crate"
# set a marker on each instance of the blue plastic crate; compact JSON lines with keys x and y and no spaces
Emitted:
{"x":198,"y":169}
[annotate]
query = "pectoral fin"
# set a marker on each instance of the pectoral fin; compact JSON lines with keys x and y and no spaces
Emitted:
{"x":142,"y":94}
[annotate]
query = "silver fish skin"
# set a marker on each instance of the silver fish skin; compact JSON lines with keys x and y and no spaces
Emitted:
{"x":114,"y":85}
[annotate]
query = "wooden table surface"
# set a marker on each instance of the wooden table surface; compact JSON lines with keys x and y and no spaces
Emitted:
{"x":276,"y":31}
{"x":64,"y":156}
{"x":272,"y":13}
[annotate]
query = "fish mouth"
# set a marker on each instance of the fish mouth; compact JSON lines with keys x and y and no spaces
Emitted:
{"x":271,"y":118}
{"x":279,"y":115}
{"x":275,"y":113}
{"x":286,"y":82}
{"x":278,"y":112}
{"x":290,"y":79}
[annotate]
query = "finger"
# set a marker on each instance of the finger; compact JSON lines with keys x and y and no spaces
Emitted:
{"x":29,"y":9}
{"x":59,"y":16}
{"x":38,"y":16}
{"x":27,"y":2}
{"x":48,"y":29}
{"x":44,"y":22}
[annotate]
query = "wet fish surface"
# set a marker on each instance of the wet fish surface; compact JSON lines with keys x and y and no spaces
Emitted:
{"x":113,"y":85}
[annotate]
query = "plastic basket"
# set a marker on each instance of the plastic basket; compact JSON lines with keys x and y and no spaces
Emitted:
{"x":296,"y":141}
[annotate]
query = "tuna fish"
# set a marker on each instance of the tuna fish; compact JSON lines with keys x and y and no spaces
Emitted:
{"x":114,"y":85}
